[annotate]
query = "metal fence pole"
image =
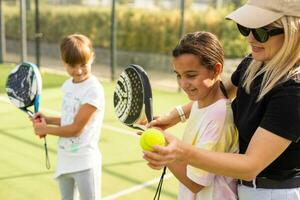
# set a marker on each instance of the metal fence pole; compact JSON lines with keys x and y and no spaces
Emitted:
{"x":113,"y":40}
{"x":182,"y":27}
{"x":38,"y":35}
{"x":2,"y":34}
{"x":23,"y":34}
{"x":219,"y":4}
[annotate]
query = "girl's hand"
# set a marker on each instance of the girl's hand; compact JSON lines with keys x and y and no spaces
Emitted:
{"x":40,"y":127}
{"x":38,"y":116}
{"x":164,"y":121}
{"x":165,"y":155}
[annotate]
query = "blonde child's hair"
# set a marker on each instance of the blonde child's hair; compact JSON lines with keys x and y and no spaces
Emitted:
{"x":283,"y":65}
{"x":76,"y":49}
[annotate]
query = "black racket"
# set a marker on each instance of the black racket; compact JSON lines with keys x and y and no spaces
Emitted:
{"x":23,"y":88}
{"x":133,"y":102}
{"x":133,"y":97}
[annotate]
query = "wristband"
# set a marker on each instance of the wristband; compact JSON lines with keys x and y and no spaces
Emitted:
{"x":180,"y":113}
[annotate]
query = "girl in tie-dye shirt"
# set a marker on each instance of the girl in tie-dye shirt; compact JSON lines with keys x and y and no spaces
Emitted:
{"x":198,"y":63}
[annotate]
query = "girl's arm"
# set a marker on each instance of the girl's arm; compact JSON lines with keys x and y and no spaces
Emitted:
{"x":172,"y":118}
{"x":53,"y":121}
{"x":49,"y":120}
{"x":263,"y":149}
{"x":178,"y":168}
{"x":84,"y":114}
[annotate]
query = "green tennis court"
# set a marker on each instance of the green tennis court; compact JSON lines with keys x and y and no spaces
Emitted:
{"x":125,"y":175}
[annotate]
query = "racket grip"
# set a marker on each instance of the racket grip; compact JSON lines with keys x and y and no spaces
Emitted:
{"x":36,"y":103}
{"x":47,"y":160}
{"x":38,"y":119}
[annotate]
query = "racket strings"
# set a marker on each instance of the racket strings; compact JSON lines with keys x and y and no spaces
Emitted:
{"x":128,"y":97}
{"x":19,"y":86}
{"x":122,"y":97}
{"x":137,"y":94}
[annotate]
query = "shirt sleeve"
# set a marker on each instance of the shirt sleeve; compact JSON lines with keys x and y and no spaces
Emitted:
{"x":282,"y":116}
{"x":94,"y":97}
{"x":209,"y":140}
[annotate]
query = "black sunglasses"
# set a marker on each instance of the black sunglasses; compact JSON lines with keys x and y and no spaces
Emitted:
{"x":260,"y":34}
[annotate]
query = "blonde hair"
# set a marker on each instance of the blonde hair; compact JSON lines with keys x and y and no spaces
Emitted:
{"x":76,"y":49}
{"x":283,"y":65}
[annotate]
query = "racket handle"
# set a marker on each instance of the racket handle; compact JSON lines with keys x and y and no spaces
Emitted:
{"x":38,"y":119}
{"x":36,"y":103}
{"x":46,"y":153}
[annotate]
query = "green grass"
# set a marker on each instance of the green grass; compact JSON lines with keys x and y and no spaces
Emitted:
{"x":22,"y":164}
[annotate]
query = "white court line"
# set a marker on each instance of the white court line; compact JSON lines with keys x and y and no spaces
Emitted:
{"x":136,"y":188}
{"x":117,"y":130}
{"x":106,"y":126}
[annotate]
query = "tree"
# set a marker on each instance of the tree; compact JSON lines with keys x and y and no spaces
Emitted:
{"x":238,"y":3}
{"x":125,"y":1}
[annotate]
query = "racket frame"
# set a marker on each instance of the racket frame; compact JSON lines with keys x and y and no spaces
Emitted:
{"x":36,"y":101}
{"x":146,"y":108}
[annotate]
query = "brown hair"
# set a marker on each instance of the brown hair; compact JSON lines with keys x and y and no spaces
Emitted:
{"x":206,"y":47}
{"x":76,"y":49}
{"x":203,"y":44}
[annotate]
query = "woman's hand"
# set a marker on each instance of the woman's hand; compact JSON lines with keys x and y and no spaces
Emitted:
{"x":164,"y":155}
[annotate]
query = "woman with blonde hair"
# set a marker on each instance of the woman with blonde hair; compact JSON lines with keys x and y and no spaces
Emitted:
{"x":266,"y":108}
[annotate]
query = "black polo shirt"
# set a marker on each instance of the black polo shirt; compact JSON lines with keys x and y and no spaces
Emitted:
{"x":278,"y":112}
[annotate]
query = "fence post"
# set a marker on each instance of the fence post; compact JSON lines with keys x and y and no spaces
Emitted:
{"x":38,"y":35}
{"x":113,"y":40}
{"x":2,"y":34}
{"x":23,"y":34}
{"x":182,"y":27}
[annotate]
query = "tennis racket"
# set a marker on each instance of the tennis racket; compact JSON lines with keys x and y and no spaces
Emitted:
{"x":23,"y":88}
{"x":133,"y":102}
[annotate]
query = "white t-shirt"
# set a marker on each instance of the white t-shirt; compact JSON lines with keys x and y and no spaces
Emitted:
{"x":211,"y":128}
{"x":80,"y":153}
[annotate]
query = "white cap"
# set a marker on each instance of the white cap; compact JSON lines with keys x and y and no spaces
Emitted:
{"x":259,"y":13}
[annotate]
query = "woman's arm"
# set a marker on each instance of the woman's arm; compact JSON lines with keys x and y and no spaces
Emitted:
{"x":178,"y":168}
{"x":263,"y":149}
{"x":230,"y":89}
{"x":84,"y":114}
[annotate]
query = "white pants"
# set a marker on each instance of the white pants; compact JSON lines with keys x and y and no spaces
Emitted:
{"x":86,"y":182}
{"x":249,"y":193}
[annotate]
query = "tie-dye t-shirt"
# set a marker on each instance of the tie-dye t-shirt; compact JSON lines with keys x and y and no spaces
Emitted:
{"x":211,"y":128}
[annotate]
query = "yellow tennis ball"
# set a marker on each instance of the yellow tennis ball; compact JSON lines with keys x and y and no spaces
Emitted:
{"x":151,"y":137}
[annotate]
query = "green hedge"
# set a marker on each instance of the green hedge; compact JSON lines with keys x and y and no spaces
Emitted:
{"x":137,"y":30}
